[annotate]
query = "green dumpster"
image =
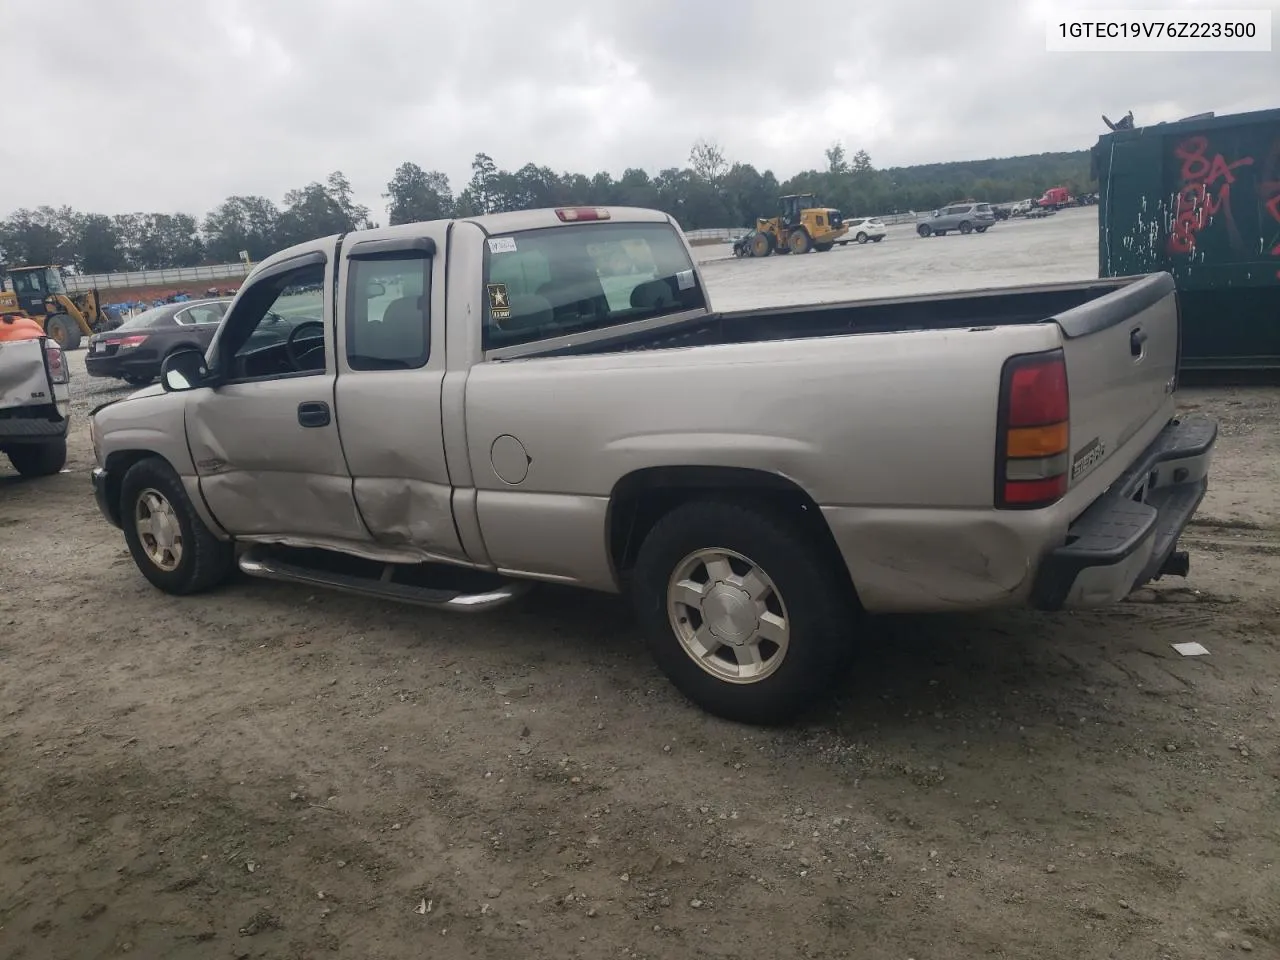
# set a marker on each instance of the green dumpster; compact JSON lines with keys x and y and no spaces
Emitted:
{"x":1200,"y":198}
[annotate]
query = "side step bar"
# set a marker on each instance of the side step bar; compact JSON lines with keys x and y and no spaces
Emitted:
{"x":259,"y":563}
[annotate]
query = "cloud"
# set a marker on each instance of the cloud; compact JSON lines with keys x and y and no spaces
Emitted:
{"x":159,"y":105}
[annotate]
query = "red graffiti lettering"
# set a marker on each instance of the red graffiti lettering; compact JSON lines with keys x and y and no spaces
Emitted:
{"x":1196,"y":205}
{"x":1269,"y":190}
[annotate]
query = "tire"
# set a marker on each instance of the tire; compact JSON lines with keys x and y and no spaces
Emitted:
{"x":39,"y":459}
{"x":966,"y":227}
{"x":799,"y":242}
{"x":923,"y":230}
{"x":64,"y":331}
{"x":762,"y":245}
{"x":137,"y":380}
{"x":876,"y":239}
{"x":810,"y":598}
{"x":823,"y":247}
{"x":202,"y":560}
{"x":981,"y":229}
{"x":861,"y":237}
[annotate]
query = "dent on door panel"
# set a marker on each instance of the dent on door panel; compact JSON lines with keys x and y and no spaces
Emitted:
{"x":411,"y":513}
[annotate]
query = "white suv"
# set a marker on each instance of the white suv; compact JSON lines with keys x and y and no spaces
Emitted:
{"x":863,"y":229}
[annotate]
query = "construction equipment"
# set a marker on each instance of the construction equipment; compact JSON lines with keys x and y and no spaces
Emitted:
{"x":39,"y":293}
{"x":803,"y":226}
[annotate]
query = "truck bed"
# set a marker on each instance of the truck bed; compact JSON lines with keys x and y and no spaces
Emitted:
{"x":1008,"y":306}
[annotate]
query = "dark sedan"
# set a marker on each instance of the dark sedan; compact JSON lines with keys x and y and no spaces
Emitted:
{"x":133,"y":351}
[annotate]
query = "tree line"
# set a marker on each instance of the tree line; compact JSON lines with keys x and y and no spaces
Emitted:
{"x":710,"y":191}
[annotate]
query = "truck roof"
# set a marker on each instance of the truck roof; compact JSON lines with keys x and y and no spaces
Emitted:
{"x":490,"y":223}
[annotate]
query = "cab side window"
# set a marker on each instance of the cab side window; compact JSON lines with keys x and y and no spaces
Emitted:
{"x":389,"y":313}
{"x":277,"y":329}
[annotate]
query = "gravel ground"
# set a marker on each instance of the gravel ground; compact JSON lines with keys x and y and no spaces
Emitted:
{"x":270,"y":772}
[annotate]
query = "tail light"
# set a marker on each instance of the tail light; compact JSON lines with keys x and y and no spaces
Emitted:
{"x":127,"y":343}
{"x":574,"y":214}
{"x":59,"y":372}
{"x":1033,"y":455}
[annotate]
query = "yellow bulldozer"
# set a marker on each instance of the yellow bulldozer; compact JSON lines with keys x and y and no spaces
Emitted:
{"x":39,"y":293}
{"x":801,"y":227}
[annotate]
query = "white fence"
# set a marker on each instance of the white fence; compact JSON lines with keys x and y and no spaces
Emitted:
{"x":177,"y":276}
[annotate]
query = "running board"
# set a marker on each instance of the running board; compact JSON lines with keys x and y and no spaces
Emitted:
{"x":260,"y":563}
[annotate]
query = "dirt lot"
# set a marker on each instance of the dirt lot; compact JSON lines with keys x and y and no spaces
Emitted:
{"x":268,"y":772}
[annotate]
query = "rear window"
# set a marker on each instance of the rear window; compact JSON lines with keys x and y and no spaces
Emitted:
{"x":148,"y":318}
{"x":548,"y":283}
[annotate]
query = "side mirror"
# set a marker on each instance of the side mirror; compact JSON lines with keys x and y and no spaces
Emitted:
{"x":184,"y":370}
{"x":376,"y":289}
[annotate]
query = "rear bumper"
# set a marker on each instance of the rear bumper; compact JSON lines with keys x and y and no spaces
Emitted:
{"x":126,"y":365}
{"x":35,"y":429}
{"x":1128,"y":536}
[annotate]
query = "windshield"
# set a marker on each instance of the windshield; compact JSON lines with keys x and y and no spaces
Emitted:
{"x":562,"y":280}
{"x":53,"y":280}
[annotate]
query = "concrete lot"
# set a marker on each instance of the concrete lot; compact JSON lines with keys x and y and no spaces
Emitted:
{"x":272,"y":772}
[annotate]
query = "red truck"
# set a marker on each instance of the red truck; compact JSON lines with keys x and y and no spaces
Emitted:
{"x":1055,"y":198}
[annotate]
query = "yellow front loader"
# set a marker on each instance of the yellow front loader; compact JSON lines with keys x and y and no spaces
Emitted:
{"x":802,"y":226}
{"x":39,"y":293}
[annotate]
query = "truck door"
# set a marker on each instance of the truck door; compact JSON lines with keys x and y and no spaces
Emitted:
{"x":391,"y":365}
{"x":264,"y":439}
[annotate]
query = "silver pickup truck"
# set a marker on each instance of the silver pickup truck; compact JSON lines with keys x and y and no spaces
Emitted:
{"x":35,"y":398}
{"x":443,"y":412}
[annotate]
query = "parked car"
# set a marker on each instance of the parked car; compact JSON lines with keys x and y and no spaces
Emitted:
{"x":863,"y":229}
{"x":133,"y":351}
{"x":964,"y":217}
{"x":35,"y":398}
{"x":548,"y":395}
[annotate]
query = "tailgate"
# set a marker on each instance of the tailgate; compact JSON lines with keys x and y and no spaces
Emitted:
{"x":24,"y":381}
{"x":1122,"y":359}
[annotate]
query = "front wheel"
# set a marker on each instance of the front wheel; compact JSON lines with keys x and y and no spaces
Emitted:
{"x":799,"y":242}
{"x":966,"y":227}
{"x":64,"y":331}
{"x":169,"y":542}
{"x":741,"y":611}
{"x":923,"y":230}
{"x":39,"y":459}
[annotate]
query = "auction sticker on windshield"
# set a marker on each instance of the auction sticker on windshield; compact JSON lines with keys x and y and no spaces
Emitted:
{"x":502,"y":244}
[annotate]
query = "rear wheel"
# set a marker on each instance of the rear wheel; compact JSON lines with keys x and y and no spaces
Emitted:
{"x":800,"y":242}
{"x":981,"y":229}
{"x":877,"y":239}
{"x":744,"y":614}
{"x":923,"y":230}
{"x":169,"y":542}
{"x":966,"y":227}
{"x":823,"y":247}
{"x":862,"y":237}
{"x":39,"y":459}
{"x":137,"y":380}
{"x":63,"y":330}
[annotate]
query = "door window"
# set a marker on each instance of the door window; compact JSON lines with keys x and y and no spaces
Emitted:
{"x":388,"y":313}
{"x":277,"y":329}
{"x":202,"y":313}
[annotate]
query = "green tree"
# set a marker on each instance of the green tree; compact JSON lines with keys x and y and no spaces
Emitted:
{"x":416,"y":195}
{"x":321,"y":210}
{"x":241,"y":223}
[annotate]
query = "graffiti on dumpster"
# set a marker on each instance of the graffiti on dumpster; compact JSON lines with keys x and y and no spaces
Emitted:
{"x":1202,"y":196}
{"x":1269,"y":195}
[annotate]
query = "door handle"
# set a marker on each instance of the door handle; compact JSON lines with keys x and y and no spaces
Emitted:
{"x":313,"y":413}
{"x":1137,"y":337}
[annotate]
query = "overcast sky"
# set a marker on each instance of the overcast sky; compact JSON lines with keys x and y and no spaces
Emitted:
{"x":163,"y":105}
